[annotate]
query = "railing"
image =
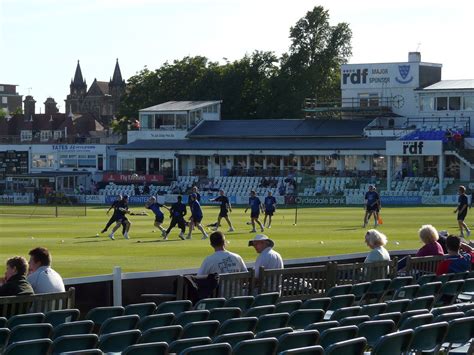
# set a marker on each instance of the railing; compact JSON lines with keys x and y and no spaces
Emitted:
{"x":112,"y":139}
{"x":418,"y":266}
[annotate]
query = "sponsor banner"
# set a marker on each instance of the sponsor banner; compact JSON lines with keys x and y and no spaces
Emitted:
{"x":320,"y":200}
{"x":405,"y":148}
{"x":452,"y":199}
{"x":14,"y":199}
{"x":205,"y":199}
{"x":401,"y":200}
{"x":355,"y":200}
{"x":431,"y":200}
{"x":91,"y":199}
{"x":131,"y":178}
{"x":74,"y":148}
{"x":135,"y":200}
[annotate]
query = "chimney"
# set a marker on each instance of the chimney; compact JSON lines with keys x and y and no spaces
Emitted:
{"x":29,"y":107}
{"x":50,"y":106}
{"x":414,"y":57}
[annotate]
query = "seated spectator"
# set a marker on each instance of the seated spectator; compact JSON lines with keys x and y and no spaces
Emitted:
{"x":15,"y":282}
{"x":376,"y":241}
{"x":41,"y":276}
{"x":222,"y":261}
{"x":429,"y":236}
{"x":267,"y":258}
{"x":459,"y":257}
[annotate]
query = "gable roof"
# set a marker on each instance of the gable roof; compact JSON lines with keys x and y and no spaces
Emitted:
{"x":267,"y":128}
{"x":180,"y":106}
{"x":98,"y":88}
{"x":463,"y":84}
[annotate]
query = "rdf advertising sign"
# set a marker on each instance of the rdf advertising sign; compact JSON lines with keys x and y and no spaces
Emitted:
{"x":410,"y":148}
{"x":359,"y":76}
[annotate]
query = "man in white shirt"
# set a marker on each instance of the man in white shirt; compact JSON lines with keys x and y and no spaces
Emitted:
{"x":222,"y":261}
{"x":41,"y":276}
{"x":267,"y":258}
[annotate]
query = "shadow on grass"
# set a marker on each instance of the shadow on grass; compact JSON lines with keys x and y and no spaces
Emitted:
{"x":91,"y":237}
{"x":349,"y":229}
{"x":159,"y":241}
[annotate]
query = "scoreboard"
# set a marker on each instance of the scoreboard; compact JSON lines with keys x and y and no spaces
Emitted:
{"x":13,"y":162}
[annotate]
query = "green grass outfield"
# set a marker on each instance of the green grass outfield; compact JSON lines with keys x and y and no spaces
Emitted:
{"x":320,"y":231}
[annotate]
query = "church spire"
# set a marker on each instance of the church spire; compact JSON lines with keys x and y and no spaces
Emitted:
{"x":78,"y":80}
{"x":117,"y":78}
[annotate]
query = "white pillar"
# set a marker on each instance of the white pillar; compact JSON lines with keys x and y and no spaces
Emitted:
{"x":176,"y":167}
{"x":265,"y":162}
{"x":298,"y":163}
{"x":117,"y":285}
{"x":441,"y":172}
{"x":389,"y":172}
{"x":282,"y":164}
{"x":147,"y":163}
{"x":248,"y":162}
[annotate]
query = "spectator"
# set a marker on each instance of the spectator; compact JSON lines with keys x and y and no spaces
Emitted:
{"x":41,"y":276}
{"x":459,"y":257}
{"x":222,"y":261}
{"x":376,"y":241}
{"x":267,"y":258}
{"x":429,"y":236}
{"x":15,"y":282}
{"x":136,"y":190}
{"x":146,"y":189}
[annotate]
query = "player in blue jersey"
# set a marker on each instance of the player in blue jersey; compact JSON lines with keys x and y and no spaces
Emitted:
{"x":121,"y":219}
{"x":270,"y":207}
{"x":196,"y":217}
{"x":177,"y":212}
{"x":114,"y":215}
{"x":371,"y":205}
{"x":461,"y":210}
{"x":225,"y":208}
{"x":255,"y":206}
{"x":154,"y":206}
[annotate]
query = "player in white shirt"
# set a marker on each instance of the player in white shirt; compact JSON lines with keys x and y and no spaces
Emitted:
{"x":222,"y":261}
{"x":41,"y":276}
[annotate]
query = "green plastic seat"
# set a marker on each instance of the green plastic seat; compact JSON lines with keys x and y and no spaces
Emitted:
{"x":355,"y":320}
{"x":425,"y":302}
{"x":415,"y":321}
{"x":147,"y":349}
{"x":447,"y":317}
{"x":397,"y":306}
{"x":76,"y":342}
{"x":373,"y":330}
{"x":273,"y":333}
{"x":396,"y":284}
{"x":444,"y":278}
{"x":359,"y":290}
{"x":180,"y":345}
{"x":200,"y":329}
{"x":100,"y":314}
{"x":140,"y":309}
{"x":264,"y":346}
{"x":191,"y":316}
{"x":335,"y":335}
{"x":445,"y":309}
{"x":224,"y":313}
{"x":424,"y":279}
{"x":460,"y":331}
{"x":73,"y":328}
{"x":30,"y":318}
{"x":354,"y":346}
{"x":395,"y":316}
{"x":339,"y":290}
{"x":244,"y":324}
{"x":459,"y":276}
{"x":373,"y":309}
{"x":376,"y":290}
{"x":429,"y":289}
{"x":165,"y":334}
{"x":408,"y":314}
{"x":406,"y":292}
{"x":30,"y":347}
{"x":345,"y":312}
{"x":288,"y":306}
{"x":211,"y":349}
{"x":297,"y":340}
{"x":175,"y":307}
{"x":307,"y":350}
{"x":303,"y":317}
{"x":233,"y":338}
{"x":272,"y":321}
{"x":118,"y":341}
{"x":61,"y":316}
{"x":209,"y":303}
{"x":119,"y":324}
{"x":467,"y":292}
{"x":242,"y":302}
{"x":449,"y":292}
{"x":341,"y":301}
{"x":3,"y":322}
{"x":84,"y":352}
{"x":24,"y":332}
{"x":155,"y":320}
{"x":464,"y":307}
{"x":317,"y":303}
{"x":259,"y":311}
{"x":4,"y":336}
{"x":428,"y":337}
{"x":265,"y":299}
{"x":394,"y":343}
{"x":322,"y":326}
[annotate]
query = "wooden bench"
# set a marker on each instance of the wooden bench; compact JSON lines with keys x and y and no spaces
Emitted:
{"x":44,"y":302}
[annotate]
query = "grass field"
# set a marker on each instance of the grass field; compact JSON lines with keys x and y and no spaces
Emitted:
{"x":320,"y":231}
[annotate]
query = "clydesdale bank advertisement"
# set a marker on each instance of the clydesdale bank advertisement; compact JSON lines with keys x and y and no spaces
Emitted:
{"x":323,"y":200}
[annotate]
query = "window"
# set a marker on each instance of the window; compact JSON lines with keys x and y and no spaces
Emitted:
{"x":363,"y":100}
{"x":127,"y":164}
{"x":214,"y":108}
{"x":181,"y":121}
{"x":68,"y":161}
{"x":455,"y":103}
{"x":426,"y":103}
{"x":26,"y":136}
{"x":87,"y":161}
{"x":57,"y":134}
{"x":350,"y":162}
{"x":441,"y":103}
{"x":164,"y":121}
{"x":42,"y":161}
{"x":45,"y":136}
{"x":146,"y":121}
{"x":2,"y":88}
{"x":4,"y":100}
{"x":468,"y":103}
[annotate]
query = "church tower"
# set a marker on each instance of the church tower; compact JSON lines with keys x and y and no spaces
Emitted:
{"x":77,"y":91}
{"x":116,"y":87}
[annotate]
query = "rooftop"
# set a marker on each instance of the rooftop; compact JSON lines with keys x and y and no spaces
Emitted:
{"x":462,"y":84}
{"x":180,"y":106}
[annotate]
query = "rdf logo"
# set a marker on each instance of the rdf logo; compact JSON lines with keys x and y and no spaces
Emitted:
{"x":415,"y":148}
{"x":355,"y":76}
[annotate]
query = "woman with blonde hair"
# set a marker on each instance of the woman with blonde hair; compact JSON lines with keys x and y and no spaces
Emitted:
{"x":429,"y":236}
{"x":376,"y":241}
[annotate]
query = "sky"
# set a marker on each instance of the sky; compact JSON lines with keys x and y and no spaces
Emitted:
{"x":42,"y":40}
